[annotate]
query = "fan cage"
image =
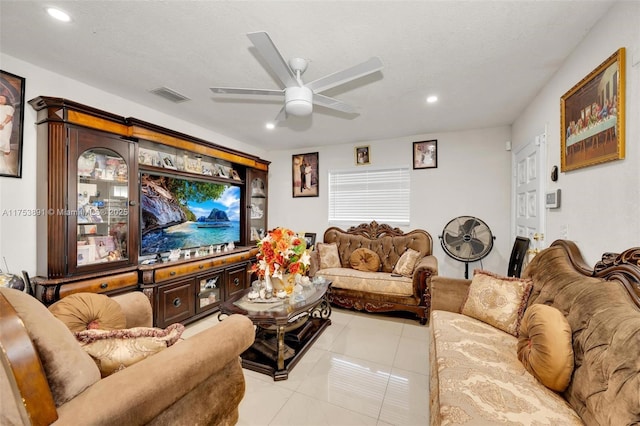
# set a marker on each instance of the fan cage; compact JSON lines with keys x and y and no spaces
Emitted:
{"x":466,"y":231}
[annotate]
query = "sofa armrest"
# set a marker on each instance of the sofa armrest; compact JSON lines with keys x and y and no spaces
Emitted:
{"x":136,"y":308}
{"x":314,"y":263}
{"x":142,"y":391}
{"x":448,"y":294}
{"x":425,"y":270}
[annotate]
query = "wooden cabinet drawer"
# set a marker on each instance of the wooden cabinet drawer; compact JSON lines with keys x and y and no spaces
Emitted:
{"x":236,"y":280}
{"x":101,"y":285}
{"x":176,"y":302}
{"x":177,"y":271}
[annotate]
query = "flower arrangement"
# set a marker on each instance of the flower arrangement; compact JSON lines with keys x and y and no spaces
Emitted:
{"x":281,"y":251}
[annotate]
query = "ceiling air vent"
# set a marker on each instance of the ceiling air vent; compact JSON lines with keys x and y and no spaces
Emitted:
{"x":170,"y":95}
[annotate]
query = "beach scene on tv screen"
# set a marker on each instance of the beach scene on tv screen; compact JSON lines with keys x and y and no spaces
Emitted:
{"x":177,"y":213}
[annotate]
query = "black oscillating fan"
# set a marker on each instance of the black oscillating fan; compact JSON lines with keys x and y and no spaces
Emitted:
{"x":467,"y":239}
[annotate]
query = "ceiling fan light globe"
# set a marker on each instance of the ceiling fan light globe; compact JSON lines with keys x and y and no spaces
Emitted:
{"x":298,"y":101}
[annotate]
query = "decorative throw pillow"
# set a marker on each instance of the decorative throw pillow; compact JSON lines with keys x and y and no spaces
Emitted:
{"x":407,"y":263}
{"x":364,"y":259}
{"x":545,"y":347}
{"x":115,"y":350}
{"x":498,"y":301}
{"x":329,"y":257}
{"x":84,"y":311}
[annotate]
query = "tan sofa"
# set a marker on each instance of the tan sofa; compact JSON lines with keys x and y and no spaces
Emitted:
{"x":379,"y":291}
{"x":48,"y":379}
{"x":477,"y":378}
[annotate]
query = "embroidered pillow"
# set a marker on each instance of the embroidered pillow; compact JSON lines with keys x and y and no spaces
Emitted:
{"x":498,"y":301}
{"x":329,"y":257}
{"x":83,"y":311}
{"x":407,"y":263}
{"x":115,"y":350}
{"x":544,"y":346}
{"x":364,"y":259}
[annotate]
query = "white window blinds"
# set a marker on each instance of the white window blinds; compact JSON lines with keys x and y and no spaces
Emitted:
{"x":357,"y":196}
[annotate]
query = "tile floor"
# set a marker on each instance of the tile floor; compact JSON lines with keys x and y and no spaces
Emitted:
{"x":364,"y":369}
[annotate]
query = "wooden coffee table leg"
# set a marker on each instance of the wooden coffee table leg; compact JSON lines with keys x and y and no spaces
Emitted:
{"x":280,"y":337}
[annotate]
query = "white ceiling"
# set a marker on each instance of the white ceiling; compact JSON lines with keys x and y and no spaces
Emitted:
{"x":485,"y":60}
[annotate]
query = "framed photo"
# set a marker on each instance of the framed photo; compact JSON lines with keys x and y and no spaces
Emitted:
{"x":425,"y":154}
{"x":304,"y":171}
{"x":362,"y":155}
{"x":11,"y":124}
{"x":311,"y":239}
{"x":592,"y":116}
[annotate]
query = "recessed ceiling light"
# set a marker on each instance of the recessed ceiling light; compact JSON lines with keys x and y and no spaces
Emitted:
{"x":58,"y":14}
{"x":431,"y":99}
{"x":270,"y":126}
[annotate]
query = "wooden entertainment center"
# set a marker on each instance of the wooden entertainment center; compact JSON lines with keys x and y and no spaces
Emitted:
{"x":91,"y":211}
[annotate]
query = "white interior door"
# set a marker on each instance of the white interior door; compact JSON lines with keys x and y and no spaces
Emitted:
{"x":528,"y":187}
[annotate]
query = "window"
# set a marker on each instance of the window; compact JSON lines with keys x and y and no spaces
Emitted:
{"x":357,"y":196}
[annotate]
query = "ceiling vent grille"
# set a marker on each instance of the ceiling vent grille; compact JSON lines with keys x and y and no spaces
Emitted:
{"x":171,"y":95}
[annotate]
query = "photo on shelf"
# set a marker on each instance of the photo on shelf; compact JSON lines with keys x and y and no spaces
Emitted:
{"x":168,"y":162}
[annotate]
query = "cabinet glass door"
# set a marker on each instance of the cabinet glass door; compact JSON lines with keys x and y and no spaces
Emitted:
{"x":258,"y":207}
{"x":208,"y":288}
{"x":102,"y":207}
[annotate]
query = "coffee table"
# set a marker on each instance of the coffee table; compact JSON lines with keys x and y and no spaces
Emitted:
{"x":284,"y":329}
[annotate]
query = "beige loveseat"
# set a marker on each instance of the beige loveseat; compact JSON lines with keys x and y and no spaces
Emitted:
{"x":380,"y":290}
{"x":476,"y":375}
{"x":47,"y":378}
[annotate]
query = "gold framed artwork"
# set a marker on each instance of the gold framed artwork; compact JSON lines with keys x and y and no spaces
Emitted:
{"x":363,"y":155}
{"x":592,"y":116}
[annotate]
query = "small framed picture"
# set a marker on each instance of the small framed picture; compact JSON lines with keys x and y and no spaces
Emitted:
{"x":362,"y":155}
{"x":311,"y":239}
{"x":425,"y":154}
{"x":167,"y":163}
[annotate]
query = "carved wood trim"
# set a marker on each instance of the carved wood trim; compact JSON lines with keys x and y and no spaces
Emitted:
{"x":376,"y":306}
{"x":374,"y":230}
{"x":19,"y":356}
{"x":623,"y":267}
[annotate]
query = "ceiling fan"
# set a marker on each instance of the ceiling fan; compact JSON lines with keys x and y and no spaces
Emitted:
{"x":298,"y":96}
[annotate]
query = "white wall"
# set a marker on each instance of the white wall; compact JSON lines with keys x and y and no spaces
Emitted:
{"x":472,"y":178}
{"x":600,"y":204}
{"x":18,"y":233}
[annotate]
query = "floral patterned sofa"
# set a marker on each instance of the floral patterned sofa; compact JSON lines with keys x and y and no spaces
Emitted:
{"x":398,"y":273}
{"x":477,"y":376}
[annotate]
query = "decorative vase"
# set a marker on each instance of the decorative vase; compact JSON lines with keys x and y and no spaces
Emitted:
{"x":268,"y":287}
{"x":286,"y":283}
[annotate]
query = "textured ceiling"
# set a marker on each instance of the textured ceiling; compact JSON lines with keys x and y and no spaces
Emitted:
{"x":485,"y":60}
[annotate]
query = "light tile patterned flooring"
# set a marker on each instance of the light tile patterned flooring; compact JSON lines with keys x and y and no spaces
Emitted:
{"x":365,"y":369}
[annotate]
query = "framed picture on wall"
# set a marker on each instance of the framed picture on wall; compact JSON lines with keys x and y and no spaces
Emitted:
{"x":305,"y":179}
{"x":425,"y":154}
{"x":11,"y":124}
{"x":592,"y":116}
{"x":362,"y":155}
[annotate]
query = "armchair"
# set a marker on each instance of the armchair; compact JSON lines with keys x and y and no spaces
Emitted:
{"x":48,"y":379}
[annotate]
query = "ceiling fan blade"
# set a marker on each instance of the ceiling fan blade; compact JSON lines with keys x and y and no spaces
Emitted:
{"x":333,"y":103}
{"x":239,"y":91}
{"x":282,"y":115}
{"x":270,"y":53}
{"x":337,"y":78}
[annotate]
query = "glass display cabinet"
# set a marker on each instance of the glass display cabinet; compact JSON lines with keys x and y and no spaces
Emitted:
{"x":257,"y":207}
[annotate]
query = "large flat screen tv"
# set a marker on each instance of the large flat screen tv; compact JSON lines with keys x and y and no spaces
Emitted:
{"x":177,"y":213}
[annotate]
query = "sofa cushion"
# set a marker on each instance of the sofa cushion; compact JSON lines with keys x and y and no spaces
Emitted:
{"x":329,"y":257}
{"x":83,"y":311}
{"x":545,"y":347}
{"x":364,"y":259}
{"x":476,"y":378}
{"x":498,"y":301}
{"x":114,"y":350}
{"x":407,"y":263}
{"x":370,"y":282}
{"x":68,"y":368}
